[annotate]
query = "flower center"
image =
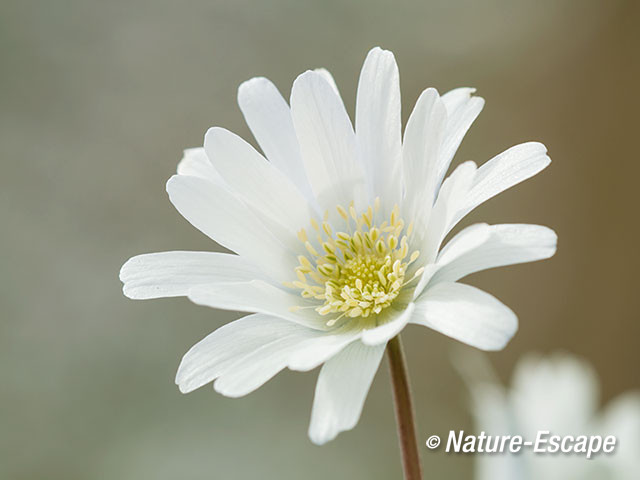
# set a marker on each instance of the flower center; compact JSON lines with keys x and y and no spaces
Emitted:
{"x":359,"y":271}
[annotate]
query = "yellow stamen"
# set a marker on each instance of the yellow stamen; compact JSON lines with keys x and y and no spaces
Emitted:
{"x":343,"y":213}
{"x":356,"y":274}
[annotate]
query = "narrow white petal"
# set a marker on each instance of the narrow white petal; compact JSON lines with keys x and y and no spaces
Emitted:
{"x":504,"y":171}
{"x":458,"y":98}
{"x":507,"y":244}
{"x":450,"y":197}
{"x":216,"y":353}
{"x":220,"y":215}
{"x":254,"y":369}
{"x":378,"y":126}
{"x":386,"y":331}
{"x":462,"y":110}
{"x":467,"y":314}
{"x":420,"y":150}
{"x":342,"y":388}
{"x":327,"y":142}
{"x":269,"y":118}
{"x":257,"y":296}
{"x":243,"y":355}
{"x":326,"y":74}
{"x":302,"y":348}
{"x":467,"y":239}
{"x":453,"y":193}
{"x":196,"y":164}
{"x":319,"y":349}
{"x":258,"y":183}
{"x":172,"y":274}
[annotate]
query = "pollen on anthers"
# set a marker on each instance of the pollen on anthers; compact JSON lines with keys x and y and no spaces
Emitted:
{"x":359,"y":271}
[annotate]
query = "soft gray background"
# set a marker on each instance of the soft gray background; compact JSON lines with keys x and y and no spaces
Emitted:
{"x":97,"y":100}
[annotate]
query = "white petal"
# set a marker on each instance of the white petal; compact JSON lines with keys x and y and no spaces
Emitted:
{"x":378,"y":126}
{"x":172,"y":274}
{"x":492,"y":413}
{"x":326,"y":74}
{"x":386,"y":331}
{"x":327,"y":142}
{"x":558,"y":392}
{"x":245,"y":354}
{"x":221,"y":216}
{"x":453,"y":193}
{"x":258,"y":183}
{"x":462,"y":110}
{"x":196,"y":163}
{"x":504,"y":171}
{"x":341,"y":390}
{"x":507,"y":244}
{"x":269,"y":118}
{"x":254,"y":369}
{"x":464,"y":241}
{"x":458,"y":99}
{"x":257,"y":296}
{"x":467,"y":314}
{"x":467,"y":239}
{"x":319,"y":349}
{"x":420,"y":150}
{"x":213,"y":355}
{"x":621,"y":418}
{"x":304,"y":349}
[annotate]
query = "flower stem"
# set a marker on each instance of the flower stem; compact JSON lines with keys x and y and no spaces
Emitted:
{"x":404,"y":410}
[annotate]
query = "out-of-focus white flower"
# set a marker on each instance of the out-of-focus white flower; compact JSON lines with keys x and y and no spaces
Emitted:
{"x":558,"y":394}
{"x":338,"y":236}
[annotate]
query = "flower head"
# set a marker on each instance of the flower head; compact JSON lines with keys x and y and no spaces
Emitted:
{"x":557,"y":394}
{"x":337,"y":234}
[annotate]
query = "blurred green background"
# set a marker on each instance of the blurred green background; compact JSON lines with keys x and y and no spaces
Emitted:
{"x":97,"y":101}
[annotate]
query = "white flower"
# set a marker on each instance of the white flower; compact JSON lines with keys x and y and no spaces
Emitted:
{"x":559,"y":394}
{"x":338,"y":236}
